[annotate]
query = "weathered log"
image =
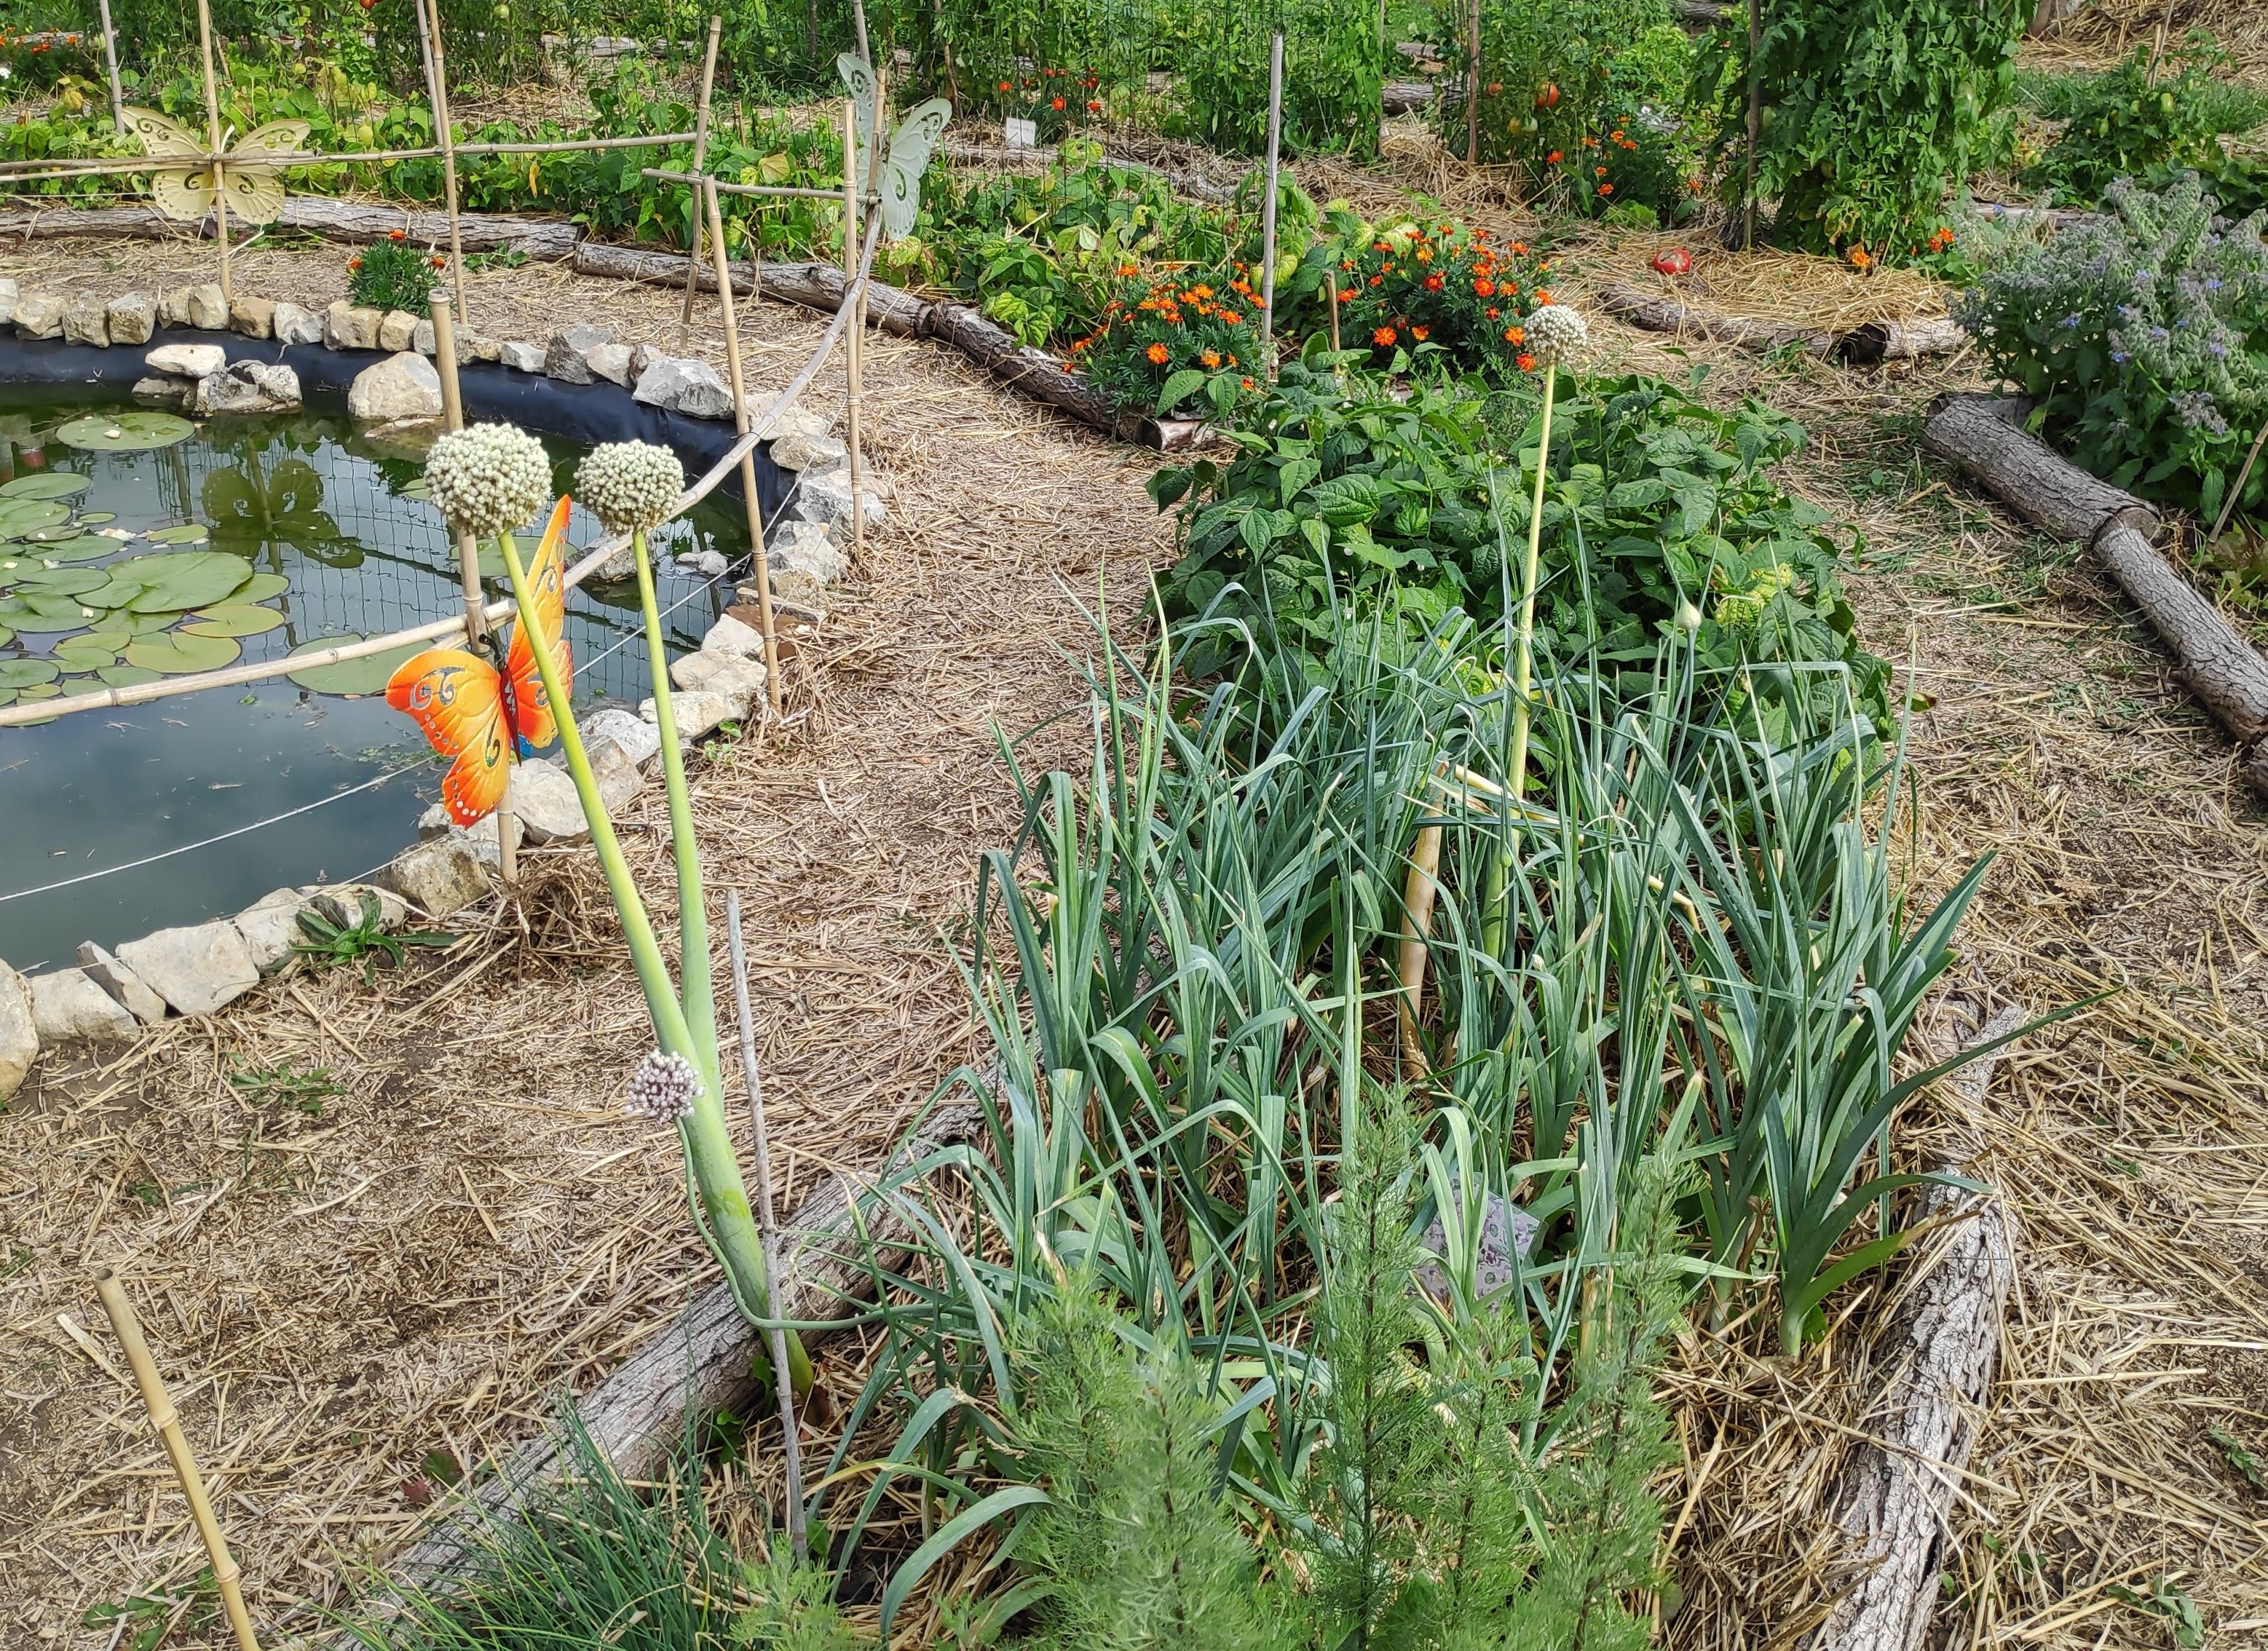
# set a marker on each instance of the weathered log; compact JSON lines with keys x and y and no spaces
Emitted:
{"x":1901,"y":341}
{"x":2219,"y":665}
{"x":357,"y":221}
{"x":1401,"y":97}
{"x":1658,"y":314}
{"x":1935,"y":1360}
{"x":702,"y":1363}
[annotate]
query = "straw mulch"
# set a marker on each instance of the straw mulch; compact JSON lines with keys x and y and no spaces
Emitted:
{"x":2101,"y":34}
{"x":419,"y":1264}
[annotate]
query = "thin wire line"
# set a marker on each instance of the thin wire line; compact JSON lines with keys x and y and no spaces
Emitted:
{"x":147,"y":860}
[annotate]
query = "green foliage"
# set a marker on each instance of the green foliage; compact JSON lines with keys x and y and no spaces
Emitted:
{"x":332,"y":937}
{"x":393,"y":274}
{"x":1334,"y":76}
{"x":1408,"y":287}
{"x":141,"y":1622}
{"x":2143,"y":339}
{"x":1588,"y":97}
{"x":1403,"y":509}
{"x":1874,"y":111}
{"x":1175,"y":348}
{"x":2139,"y":115}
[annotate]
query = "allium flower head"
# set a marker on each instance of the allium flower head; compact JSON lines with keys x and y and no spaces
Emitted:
{"x":1555,"y":335}
{"x":631,"y":484}
{"x":488,"y":478}
{"x":663,"y":1089}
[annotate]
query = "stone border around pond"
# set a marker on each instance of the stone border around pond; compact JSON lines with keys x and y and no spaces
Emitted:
{"x":113,"y":996}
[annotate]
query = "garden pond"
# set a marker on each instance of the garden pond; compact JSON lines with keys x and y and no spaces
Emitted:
{"x":136,"y":545}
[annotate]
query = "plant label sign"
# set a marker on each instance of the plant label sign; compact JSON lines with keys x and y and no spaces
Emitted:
{"x":1021,"y":134}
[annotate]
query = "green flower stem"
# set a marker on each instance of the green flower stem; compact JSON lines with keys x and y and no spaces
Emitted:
{"x":693,"y":966}
{"x":1523,"y":673}
{"x":721,"y":1207}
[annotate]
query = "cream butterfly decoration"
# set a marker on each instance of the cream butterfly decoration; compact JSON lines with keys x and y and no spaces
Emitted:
{"x":908,"y":153}
{"x":255,"y":191}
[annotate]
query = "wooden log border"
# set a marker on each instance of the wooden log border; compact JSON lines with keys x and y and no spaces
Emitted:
{"x":1984,"y":435}
{"x":1865,"y":345}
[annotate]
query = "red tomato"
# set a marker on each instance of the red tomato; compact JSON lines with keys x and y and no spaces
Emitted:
{"x":1676,"y":261}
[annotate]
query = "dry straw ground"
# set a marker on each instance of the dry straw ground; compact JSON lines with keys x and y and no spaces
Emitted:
{"x":470,"y":1225}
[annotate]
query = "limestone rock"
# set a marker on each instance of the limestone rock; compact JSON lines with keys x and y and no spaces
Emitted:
{"x":112,"y":975}
{"x":438,"y":877}
{"x":68,"y":1007}
{"x":422,"y":340}
{"x":350,"y":326}
{"x":805,"y":548}
{"x":270,"y":928}
{"x":247,"y":386}
{"x":677,"y":384}
{"x":521,"y":357}
{"x":133,"y":317}
{"x":204,"y":306}
{"x":731,"y":639}
{"x":611,"y":361}
{"x":619,"y":564}
{"x":568,"y":356}
{"x":195,"y":968}
{"x":20,"y":1032}
{"x":39,"y":315}
{"x":824,"y":497}
{"x":616,"y":775}
{"x":9,"y":291}
{"x":396,"y":329}
{"x":735,"y":676}
{"x":478,"y":840}
{"x":483,"y":347}
{"x":187,"y":361}
{"x":795,"y":419}
{"x":544,"y":798}
{"x":800,"y":450}
{"x":636,"y":739}
{"x":641,"y":358}
{"x":698,"y":713}
{"x":293,"y":325}
{"x":162,"y":392}
{"x":704,"y":564}
{"x":794,"y":595}
{"x":403,"y":387}
{"x":254,"y":318}
{"x":86,"y":320}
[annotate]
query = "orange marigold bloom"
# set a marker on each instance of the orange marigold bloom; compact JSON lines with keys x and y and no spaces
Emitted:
{"x":1212,"y":358}
{"x":397,"y":234}
{"x":1383,"y":338}
{"x":1424,"y":254}
{"x":1521,"y":247}
{"x":1859,"y":258}
{"x":1418,"y":333}
{"x":1432,"y":283}
{"x":1515,"y":335}
{"x":1528,"y":364}
{"x":1158,"y":355}
{"x":1493,"y":313}
{"x":1092,"y":106}
{"x":1004,"y":85}
{"x":1606,"y":189}
{"x":1599,"y":170}
{"x":1229,"y":315}
{"x":1247,"y":384}
{"x":1056,"y":103}
{"x":1553,"y":159}
{"x":1348,"y":295}
{"x":1590,"y":142}
{"x":1543,"y":296}
{"x":1484,"y":288}
{"x":1377,"y":280}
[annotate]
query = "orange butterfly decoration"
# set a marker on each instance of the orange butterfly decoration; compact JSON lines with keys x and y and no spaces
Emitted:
{"x":465,"y":707}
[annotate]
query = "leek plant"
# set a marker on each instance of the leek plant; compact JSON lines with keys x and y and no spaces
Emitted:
{"x":487,"y":480}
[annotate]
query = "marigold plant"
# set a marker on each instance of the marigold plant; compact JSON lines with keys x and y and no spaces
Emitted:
{"x":1170,"y":346}
{"x":1416,"y":283}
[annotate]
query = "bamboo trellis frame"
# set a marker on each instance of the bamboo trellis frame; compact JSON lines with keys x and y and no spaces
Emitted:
{"x":267,"y":669}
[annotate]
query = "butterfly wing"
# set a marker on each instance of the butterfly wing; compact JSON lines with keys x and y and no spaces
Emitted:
{"x":533,"y":720}
{"x":256,"y":192}
{"x":457,"y":701}
{"x":159,"y":136}
{"x":277,"y":137}
{"x":858,"y":74}
{"x":911,"y":147}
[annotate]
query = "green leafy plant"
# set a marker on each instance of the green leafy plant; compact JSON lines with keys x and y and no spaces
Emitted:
{"x":393,"y":274}
{"x":1173,"y":345}
{"x":332,"y":936}
{"x":2163,"y":1600}
{"x":284,"y":1085}
{"x":2145,"y":113}
{"x":141,"y":1622}
{"x":1408,"y":288}
{"x":1874,"y":111}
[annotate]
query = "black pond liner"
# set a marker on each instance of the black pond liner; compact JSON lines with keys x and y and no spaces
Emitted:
{"x":589,"y":414}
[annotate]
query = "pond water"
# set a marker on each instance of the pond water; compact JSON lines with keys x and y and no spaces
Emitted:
{"x":244,"y":538}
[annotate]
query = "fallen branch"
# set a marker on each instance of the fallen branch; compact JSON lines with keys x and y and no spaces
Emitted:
{"x":354,"y":221}
{"x":1936,"y":1356}
{"x":1864,"y":345}
{"x":2219,"y":664}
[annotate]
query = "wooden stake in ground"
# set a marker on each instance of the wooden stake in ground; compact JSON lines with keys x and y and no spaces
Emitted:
{"x":1756,"y":126}
{"x":110,"y":63}
{"x":1418,"y":893}
{"x":212,"y":141}
{"x":167,"y":1423}
{"x":1473,"y":86}
{"x":701,"y":165}
{"x":1268,"y":205}
{"x":768,"y":1223}
{"x":854,"y":341}
{"x":469,"y":569}
{"x":714,"y":216}
{"x":429,"y":24}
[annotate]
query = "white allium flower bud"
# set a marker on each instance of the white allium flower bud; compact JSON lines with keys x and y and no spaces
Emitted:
{"x":1555,"y":335}
{"x":631,"y":484}
{"x":488,"y":478}
{"x":663,"y":1089}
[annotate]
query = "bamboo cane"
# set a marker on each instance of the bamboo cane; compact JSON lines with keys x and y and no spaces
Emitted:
{"x":167,"y":1423}
{"x":446,"y":138}
{"x":1417,"y":893}
{"x":110,"y":63}
{"x":768,"y":1227}
{"x":662,"y":174}
{"x":468,"y":570}
{"x":1473,"y":87}
{"x":856,"y":340}
{"x":701,"y":164}
{"x":1268,"y":206}
{"x":774,"y":690}
{"x":212,"y":136}
{"x":1755,"y":128}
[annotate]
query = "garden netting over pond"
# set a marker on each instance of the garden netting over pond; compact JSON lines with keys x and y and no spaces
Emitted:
{"x":134,"y":545}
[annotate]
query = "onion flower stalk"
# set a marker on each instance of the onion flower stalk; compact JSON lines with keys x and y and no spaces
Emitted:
{"x":636,"y":485}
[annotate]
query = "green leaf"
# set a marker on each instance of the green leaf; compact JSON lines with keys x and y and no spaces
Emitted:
{"x":233,"y":619}
{"x":175,"y":653}
{"x":46,"y":484}
{"x":125,"y":432}
{"x":1178,"y":388}
{"x":185,"y":579}
{"x":949,"y":1536}
{"x":24,"y":673}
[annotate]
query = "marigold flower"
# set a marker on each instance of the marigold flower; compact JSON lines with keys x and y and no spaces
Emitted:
{"x":1521,"y":247}
{"x":1377,"y":281}
{"x":1484,"y":288}
{"x":1432,"y":283}
{"x":397,"y":234}
{"x":1057,"y":103}
{"x":1424,"y":254}
{"x":1383,"y":338}
{"x":1590,"y":142}
{"x":1348,"y":295}
{"x":1860,"y":259}
{"x":1158,"y":354}
{"x":1541,"y":295}
{"x":1606,"y":189}
{"x":1599,"y":170}
{"x":1418,"y":333}
{"x":1247,"y":384}
{"x":1004,"y":85}
{"x":1526,"y":363}
{"x":1230,"y":316}
{"x":1515,"y":335}
{"x":1212,"y":358}
{"x":1493,"y":313}
{"x":1496,"y":88}
{"x":1094,"y":106}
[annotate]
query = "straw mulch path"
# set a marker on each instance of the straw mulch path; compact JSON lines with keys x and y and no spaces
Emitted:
{"x":419,"y":1263}
{"x":2105,"y":30}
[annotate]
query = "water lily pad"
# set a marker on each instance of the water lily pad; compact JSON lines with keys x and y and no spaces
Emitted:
{"x":6,"y":637}
{"x":366,"y":675}
{"x":19,"y":516}
{"x":136,"y":432}
{"x":95,"y":518}
{"x":76,"y":546}
{"x":45,"y":484}
{"x":263,"y":587}
{"x":39,"y":613}
{"x":132,"y":624}
{"x":24,"y":673}
{"x":75,"y":685}
{"x":127,"y":676}
{"x":38,"y":691}
{"x":75,"y":653}
{"x":185,"y":579}
{"x":233,"y":619}
{"x":176,"y":653}
{"x":60,"y":581}
{"x":186,"y":534}
{"x":54,"y":535}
